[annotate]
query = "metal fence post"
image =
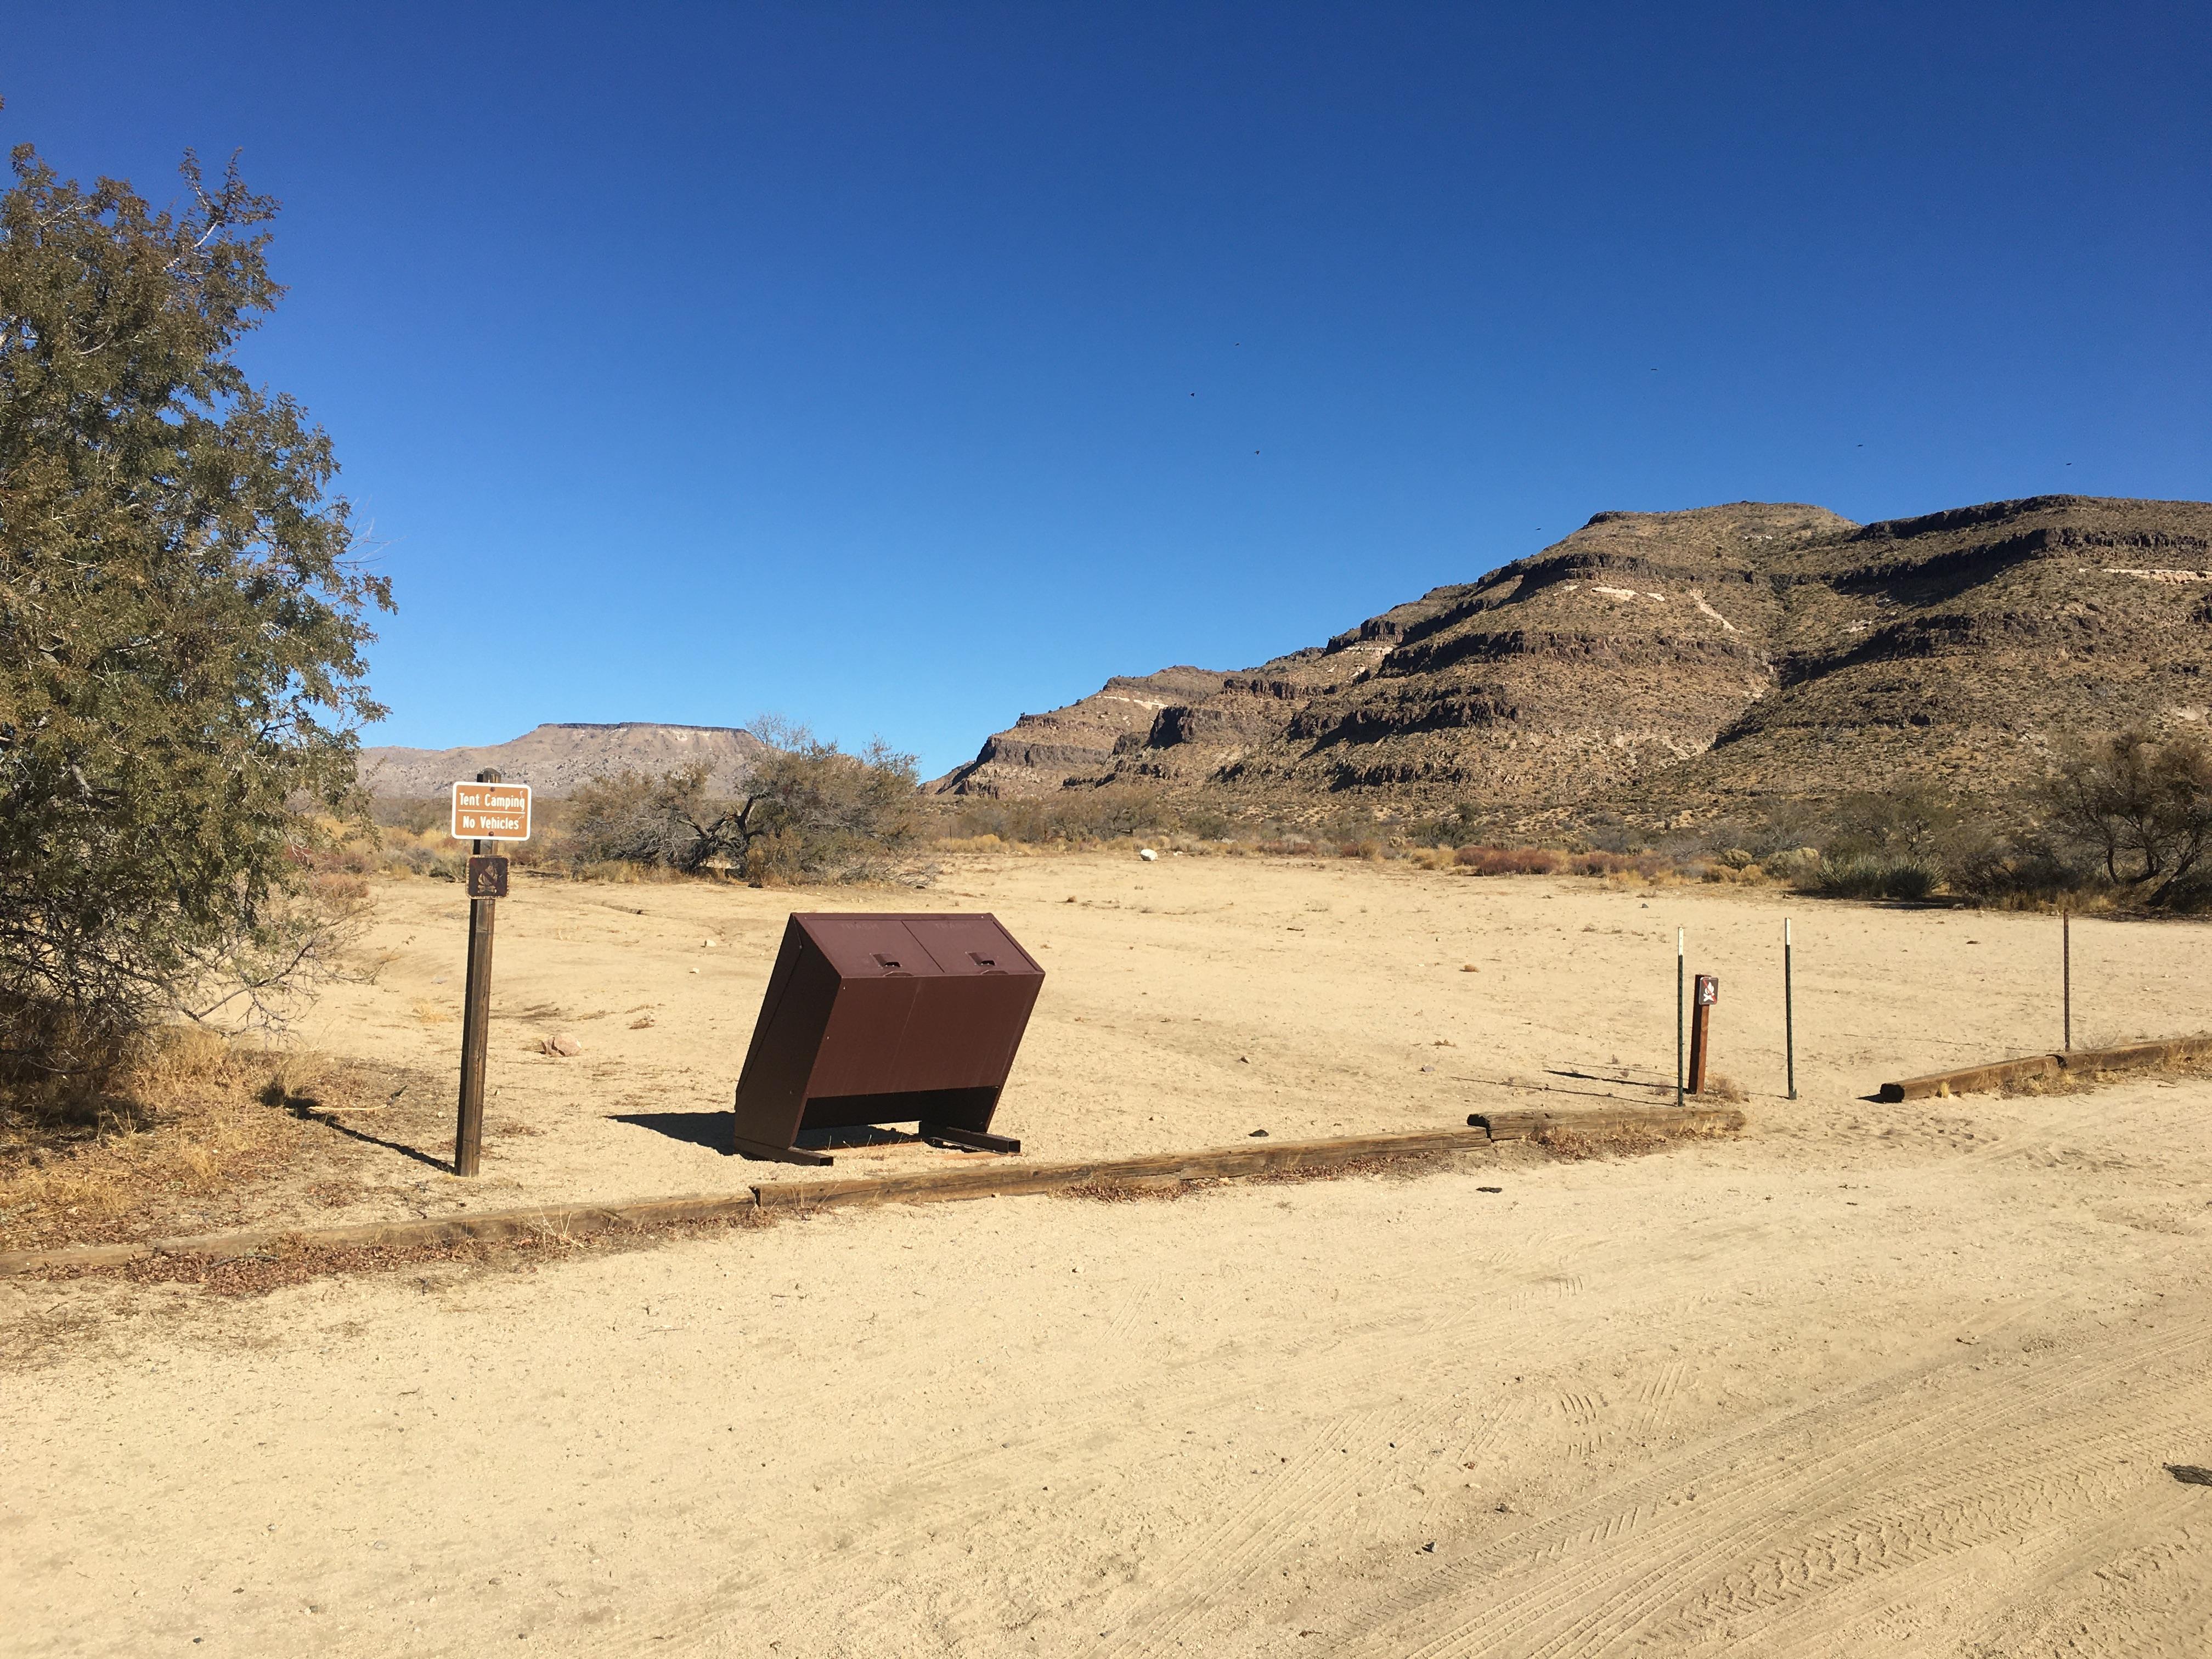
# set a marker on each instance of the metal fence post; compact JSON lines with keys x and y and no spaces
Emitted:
{"x":1682,"y":960}
{"x":2066,"y":972}
{"x":1788,"y":1015}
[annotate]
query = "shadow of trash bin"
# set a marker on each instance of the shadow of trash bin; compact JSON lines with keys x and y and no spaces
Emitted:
{"x":874,"y":1019}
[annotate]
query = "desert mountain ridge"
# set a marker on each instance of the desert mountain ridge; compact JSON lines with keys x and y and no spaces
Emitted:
{"x":555,"y":758}
{"x":1666,"y":667}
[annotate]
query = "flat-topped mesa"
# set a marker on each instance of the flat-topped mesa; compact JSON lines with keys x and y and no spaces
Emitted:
{"x":558,"y":756}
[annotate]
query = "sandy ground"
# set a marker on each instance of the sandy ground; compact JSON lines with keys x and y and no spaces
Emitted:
{"x":1872,"y":1379}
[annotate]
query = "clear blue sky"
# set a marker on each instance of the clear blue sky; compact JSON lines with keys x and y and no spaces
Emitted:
{"x":902,"y":368}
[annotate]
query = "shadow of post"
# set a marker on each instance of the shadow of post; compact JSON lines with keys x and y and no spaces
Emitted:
{"x":305,"y":1107}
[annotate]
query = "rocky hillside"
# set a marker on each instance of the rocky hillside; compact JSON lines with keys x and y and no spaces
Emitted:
{"x":1664,"y":664}
{"x":554,"y":759}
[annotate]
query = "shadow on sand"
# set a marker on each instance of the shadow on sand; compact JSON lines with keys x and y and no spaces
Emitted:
{"x":713,"y":1131}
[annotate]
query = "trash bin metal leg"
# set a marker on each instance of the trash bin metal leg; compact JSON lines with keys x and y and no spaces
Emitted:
{"x":973,"y":1139}
{"x":762,"y":1149}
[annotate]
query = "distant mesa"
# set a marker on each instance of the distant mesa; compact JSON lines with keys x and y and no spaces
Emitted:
{"x":555,"y":758}
{"x":1668,"y":667}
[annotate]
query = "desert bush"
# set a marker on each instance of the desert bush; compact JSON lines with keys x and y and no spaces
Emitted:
{"x":2026,"y":870}
{"x":2141,"y":809}
{"x":429,"y":853}
{"x":181,"y":627}
{"x":820,"y":814}
{"x":1203,"y":821}
{"x":1792,"y":864}
{"x":1870,"y":877}
{"x":1911,"y":822}
{"x":1599,"y":863}
{"x":1909,"y":879}
{"x":637,"y":817}
{"x":809,"y":811}
{"x":1449,"y":830}
{"x":1077,"y":816}
{"x":1508,"y":860}
{"x":413,"y":814}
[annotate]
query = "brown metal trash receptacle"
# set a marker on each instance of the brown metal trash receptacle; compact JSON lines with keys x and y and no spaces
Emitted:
{"x":872,"y":1019}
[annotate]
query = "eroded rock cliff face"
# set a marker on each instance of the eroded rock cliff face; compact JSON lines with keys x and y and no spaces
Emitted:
{"x":1040,"y":752}
{"x":1955,"y":648}
{"x":1670,"y":662}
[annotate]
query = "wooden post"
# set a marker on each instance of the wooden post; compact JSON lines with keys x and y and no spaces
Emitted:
{"x":2066,"y":973}
{"x":1681,"y":950}
{"x":1701,"y":1015}
{"x":1788,"y":1015}
{"x":476,"y":1022}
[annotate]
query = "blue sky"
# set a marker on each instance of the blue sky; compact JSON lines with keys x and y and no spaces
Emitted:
{"x":900,"y":369}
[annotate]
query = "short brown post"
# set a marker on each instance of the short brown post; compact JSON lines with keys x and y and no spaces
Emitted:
{"x":1708,"y":992}
{"x":476,"y":1022}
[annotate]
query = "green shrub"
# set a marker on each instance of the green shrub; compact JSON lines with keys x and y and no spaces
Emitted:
{"x":1908,"y":880}
{"x":2021,"y":872}
{"x":1870,"y":876}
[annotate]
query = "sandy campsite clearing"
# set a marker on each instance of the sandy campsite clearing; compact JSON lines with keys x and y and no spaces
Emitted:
{"x":1870,"y":1379}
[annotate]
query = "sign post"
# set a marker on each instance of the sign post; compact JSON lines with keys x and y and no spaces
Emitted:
{"x":1708,"y":992}
{"x":484,"y":811}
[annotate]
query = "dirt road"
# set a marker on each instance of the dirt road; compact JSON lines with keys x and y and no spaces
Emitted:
{"x":1872,"y":1379}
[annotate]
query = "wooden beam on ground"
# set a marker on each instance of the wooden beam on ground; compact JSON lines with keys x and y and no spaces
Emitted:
{"x":2082,"y":1062}
{"x":999,"y":1178}
{"x":1008,"y":1180}
{"x":1691,"y":1119}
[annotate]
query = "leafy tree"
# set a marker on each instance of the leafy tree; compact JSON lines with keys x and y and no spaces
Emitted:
{"x":635,"y":817}
{"x":181,"y":624}
{"x":806,"y":810}
{"x":2142,"y":808}
{"x":1910,"y":821}
{"x":824,"y":815}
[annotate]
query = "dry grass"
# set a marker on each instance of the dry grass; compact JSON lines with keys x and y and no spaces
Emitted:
{"x":294,"y":1260}
{"x":1623,"y":1140}
{"x":2077,"y":1082}
{"x":185,"y":1123}
{"x":197,"y":1133}
{"x":1510,"y":860}
{"x":1150,"y":1188}
{"x":1723,"y":1088}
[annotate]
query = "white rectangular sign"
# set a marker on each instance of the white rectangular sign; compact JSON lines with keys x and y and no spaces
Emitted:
{"x":492,"y":811}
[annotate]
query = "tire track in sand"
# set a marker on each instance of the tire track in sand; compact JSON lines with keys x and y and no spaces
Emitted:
{"x":1740,"y":1533}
